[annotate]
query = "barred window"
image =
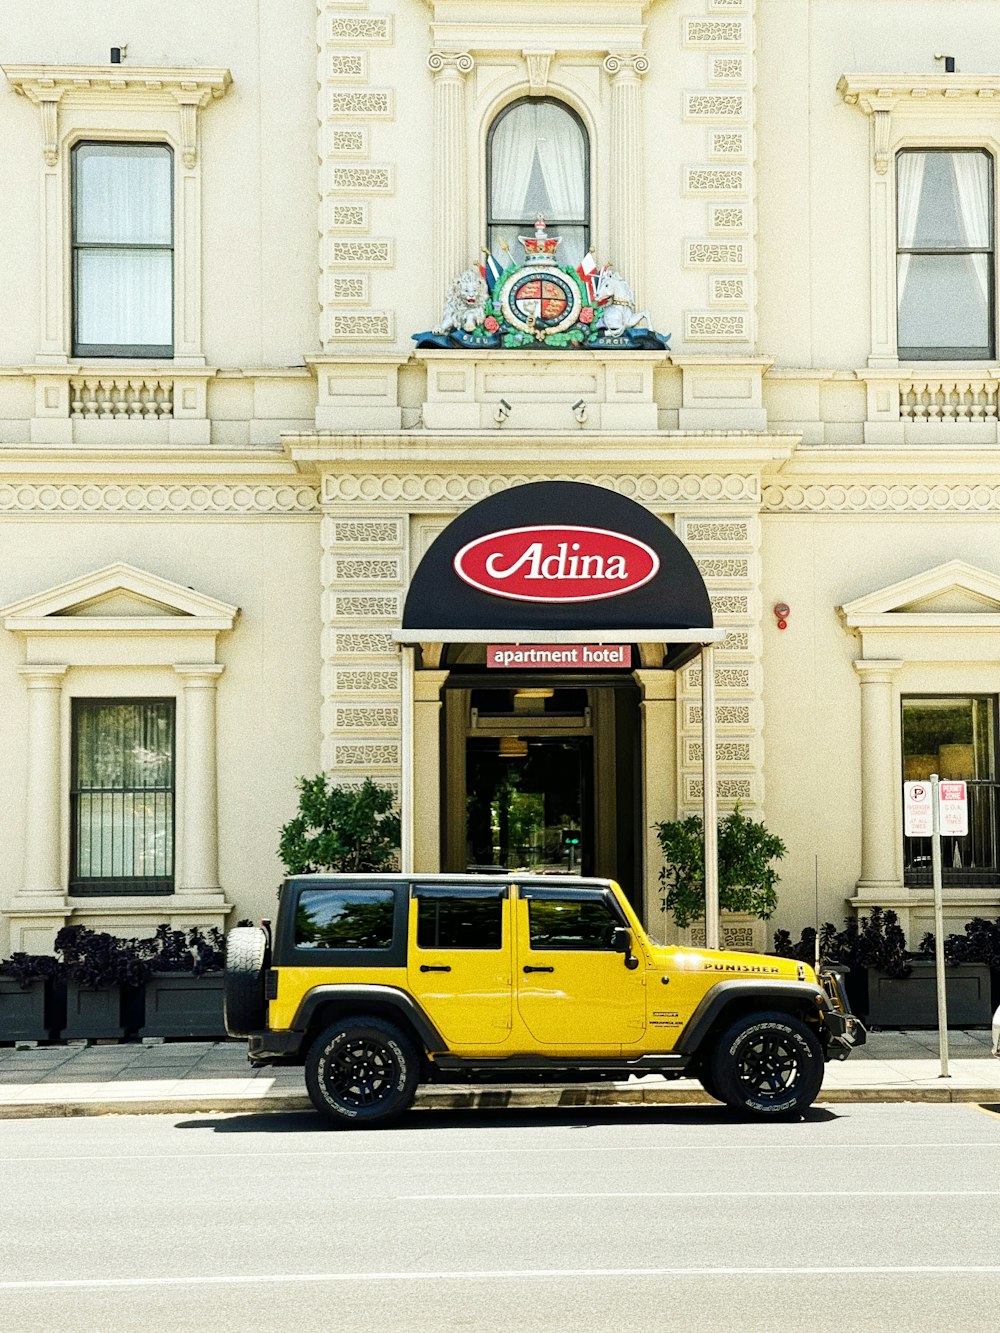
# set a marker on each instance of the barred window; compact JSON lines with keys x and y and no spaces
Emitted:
{"x":122,"y":796}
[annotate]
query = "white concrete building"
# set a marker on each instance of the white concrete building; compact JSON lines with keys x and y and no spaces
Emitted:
{"x":222,"y":457}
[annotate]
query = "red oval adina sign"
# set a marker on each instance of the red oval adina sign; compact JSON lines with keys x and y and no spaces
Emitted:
{"x":556,"y":563}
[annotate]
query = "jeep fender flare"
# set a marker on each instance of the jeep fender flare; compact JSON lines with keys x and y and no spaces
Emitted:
{"x":384,"y":1001}
{"x":733,"y":996}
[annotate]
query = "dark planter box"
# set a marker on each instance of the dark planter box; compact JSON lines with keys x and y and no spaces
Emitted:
{"x":93,"y":1014}
{"x":179,"y":1005}
{"x":911,"y":1002}
{"x":23,"y":1014}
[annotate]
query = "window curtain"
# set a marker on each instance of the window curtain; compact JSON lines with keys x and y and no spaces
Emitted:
{"x":910,"y":168}
{"x":972,"y":190}
{"x":548,"y":133}
{"x":123,"y":226}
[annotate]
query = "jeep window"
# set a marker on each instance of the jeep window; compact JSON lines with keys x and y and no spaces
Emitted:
{"x":459,"y":922}
{"x":582,"y":924}
{"x":344,"y":919}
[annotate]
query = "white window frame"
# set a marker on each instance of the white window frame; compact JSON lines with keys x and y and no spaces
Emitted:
{"x":120,"y":105}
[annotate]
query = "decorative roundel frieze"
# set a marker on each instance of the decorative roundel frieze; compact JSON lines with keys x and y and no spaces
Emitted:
{"x":464,"y":488}
{"x":883,"y":499}
{"x":166,"y":498}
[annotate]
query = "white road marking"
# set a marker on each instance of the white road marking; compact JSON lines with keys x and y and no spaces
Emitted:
{"x":515,"y":1150}
{"x":492,"y":1275}
{"x":720,"y":1194}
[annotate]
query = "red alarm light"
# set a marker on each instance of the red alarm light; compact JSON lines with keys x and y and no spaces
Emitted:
{"x":782,"y":611}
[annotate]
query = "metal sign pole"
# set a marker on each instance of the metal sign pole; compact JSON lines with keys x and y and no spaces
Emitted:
{"x":710,"y":803}
{"x":942,"y":998}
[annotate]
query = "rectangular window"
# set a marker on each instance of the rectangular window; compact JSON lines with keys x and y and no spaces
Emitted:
{"x":944,"y":261}
{"x":585,"y":925}
{"x":459,"y":920}
{"x":122,"y":796}
{"x":123,"y":256}
{"x":344,"y":919}
{"x":956,"y":737}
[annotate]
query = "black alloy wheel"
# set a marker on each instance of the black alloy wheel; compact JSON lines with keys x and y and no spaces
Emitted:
{"x":362,"y":1071}
{"x":767,"y":1064}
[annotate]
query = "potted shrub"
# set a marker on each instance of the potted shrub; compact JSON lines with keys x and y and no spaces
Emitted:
{"x":747,"y":877}
{"x":341,"y":829}
{"x":889,"y":986}
{"x":183,"y":994}
{"x":98,"y":968}
{"x":976,"y":953}
{"x":26,"y":1001}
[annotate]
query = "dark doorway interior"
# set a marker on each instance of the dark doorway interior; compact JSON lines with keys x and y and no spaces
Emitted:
{"x":542,"y":773}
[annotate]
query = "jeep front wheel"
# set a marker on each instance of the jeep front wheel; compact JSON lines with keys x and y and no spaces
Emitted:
{"x":362,"y":1072}
{"x":769,"y":1064}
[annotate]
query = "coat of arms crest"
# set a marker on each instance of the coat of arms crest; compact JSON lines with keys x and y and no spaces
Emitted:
{"x":542,"y":302}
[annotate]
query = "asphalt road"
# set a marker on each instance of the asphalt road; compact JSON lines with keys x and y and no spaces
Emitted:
{"x":861,"y":1217}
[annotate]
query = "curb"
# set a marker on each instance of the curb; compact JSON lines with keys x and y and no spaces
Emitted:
{"x":480,"y":1099}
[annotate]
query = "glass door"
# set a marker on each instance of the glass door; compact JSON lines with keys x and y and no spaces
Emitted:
{"x":528,"y":803}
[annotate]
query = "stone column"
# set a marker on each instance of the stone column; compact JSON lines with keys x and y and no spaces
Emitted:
{"x":427,"y":686}
{"x":658,"y":722}
{"x":43,"y":790}
{"x":880,"y":800}
{"x":450,"y":184}
{"x":626,"y":252}
{"x":198,"y":871}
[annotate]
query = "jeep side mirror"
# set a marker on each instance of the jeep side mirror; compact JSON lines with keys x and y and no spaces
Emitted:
{"x":621,"y":942}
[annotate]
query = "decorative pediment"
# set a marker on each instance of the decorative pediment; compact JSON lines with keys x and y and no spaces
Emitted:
{"x":119,"y":597}
{"x":955,"y":593}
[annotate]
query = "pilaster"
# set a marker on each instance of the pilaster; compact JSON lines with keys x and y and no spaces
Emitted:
{"x":625,"y":72}
{"x":451,"y":204}
{"x":881,"y":833}
{"x":43,"y":873}
{"x":199,"y":842}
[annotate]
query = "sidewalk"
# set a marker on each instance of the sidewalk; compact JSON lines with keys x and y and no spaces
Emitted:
{"x":184,"y":1077}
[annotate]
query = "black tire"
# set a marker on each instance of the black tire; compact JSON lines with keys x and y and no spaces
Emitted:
{"x":709,"y":1084}
{"x":769,"y":1065}
{"x":243,"y":1005}
{"x":362,"y":1072}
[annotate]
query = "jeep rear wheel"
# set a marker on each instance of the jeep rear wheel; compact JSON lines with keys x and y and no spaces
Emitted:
{"x":769,"y":1064}
{"x":243,"y":1003}
{"x":362,"y":1072}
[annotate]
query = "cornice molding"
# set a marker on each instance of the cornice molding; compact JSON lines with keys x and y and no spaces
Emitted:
{"x":871,"y":92}
{"x":182,"y":89}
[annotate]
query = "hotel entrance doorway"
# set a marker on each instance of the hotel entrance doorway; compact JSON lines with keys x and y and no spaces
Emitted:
{"x":542,"y":777}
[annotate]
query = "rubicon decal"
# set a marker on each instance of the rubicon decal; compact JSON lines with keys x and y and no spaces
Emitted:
{"x":556,"y":563}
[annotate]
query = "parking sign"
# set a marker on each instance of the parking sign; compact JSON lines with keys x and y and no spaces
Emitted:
{"x":918,"y":820}
{"x":953,"y":809}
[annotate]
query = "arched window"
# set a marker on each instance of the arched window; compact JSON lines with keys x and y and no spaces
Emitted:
{"x":538,"y":161}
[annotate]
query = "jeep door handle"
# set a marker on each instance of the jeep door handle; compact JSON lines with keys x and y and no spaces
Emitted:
{"x":539,"y":969}
{"x":427,"y":967}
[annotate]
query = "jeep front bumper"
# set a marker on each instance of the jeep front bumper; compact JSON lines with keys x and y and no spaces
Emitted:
{"x":845,"y":1033}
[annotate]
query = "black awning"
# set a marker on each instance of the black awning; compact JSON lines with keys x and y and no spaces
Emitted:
{"x":557,"y":555}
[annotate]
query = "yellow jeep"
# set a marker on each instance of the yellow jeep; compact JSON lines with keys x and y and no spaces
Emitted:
{"x":377,"y":983}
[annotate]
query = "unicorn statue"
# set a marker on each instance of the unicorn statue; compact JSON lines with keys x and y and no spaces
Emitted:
{"x":614,"y":295}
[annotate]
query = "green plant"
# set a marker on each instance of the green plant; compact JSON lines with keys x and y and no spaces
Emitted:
{"x":24,"y":968}
{"x":341,"y":829}
{"x":875,"y":940}
{"x":979,"y":944}
{"x":747,"y":877}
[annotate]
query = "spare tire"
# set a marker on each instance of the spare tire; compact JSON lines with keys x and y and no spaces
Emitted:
{"x":243,"y":1003}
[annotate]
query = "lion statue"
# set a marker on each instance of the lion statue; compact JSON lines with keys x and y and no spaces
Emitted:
{"x":465,"y":308}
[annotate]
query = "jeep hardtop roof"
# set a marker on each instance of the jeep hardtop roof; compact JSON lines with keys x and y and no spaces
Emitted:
{"x":502,"y":877}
